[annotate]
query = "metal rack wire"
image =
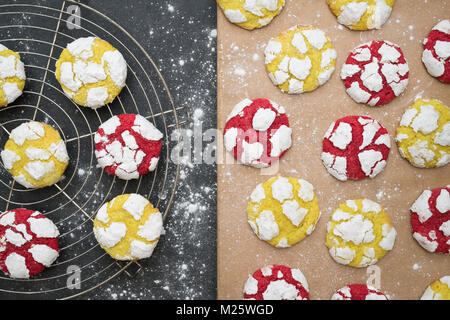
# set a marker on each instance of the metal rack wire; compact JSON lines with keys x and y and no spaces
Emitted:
{"x":39,"y":33}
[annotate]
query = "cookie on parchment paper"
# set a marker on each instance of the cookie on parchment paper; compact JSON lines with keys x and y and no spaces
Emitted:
{"x":257,"y":132}
{"x":28,"y":243}
{"x":283,"y":211}
{"x":430,"y":220}
{"x":375,"y":73}
{"x":423,"y":136}
{"x":355,"y":147}
{"x":359,"y":292}
{"x":359,"y":233}
{"x":436,"y":52}
{"x":276,"y":282}
{"x":251,"y":14}
{"x":362,"y":14}
{"x":300,"y":59}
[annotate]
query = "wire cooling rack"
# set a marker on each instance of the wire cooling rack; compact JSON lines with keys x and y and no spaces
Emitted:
{"x":39,"y":33}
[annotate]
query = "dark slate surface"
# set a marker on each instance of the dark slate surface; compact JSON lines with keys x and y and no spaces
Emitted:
{"x":180,"y":36}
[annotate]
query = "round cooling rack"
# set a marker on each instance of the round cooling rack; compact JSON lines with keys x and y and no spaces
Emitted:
{"x":39,"y":33}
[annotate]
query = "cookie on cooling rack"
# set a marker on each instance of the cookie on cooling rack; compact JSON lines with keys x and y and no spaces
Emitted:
{"x":91,"y":72}
{"x":359,"y":233}
{"x":257,"y":132}
{"x":28,"y":243}
{"x":438,"y":290}
{"x":375,"y":73}
{"x":359,"y":292}
{"x":128,"y":227}
{"x":283,"y":211}
{"x":355,"y":147}
{"x":300,"y":59}
{"x":12,"y":76}
{"x":423,"y":136}
{"x":35,"y":155}
{"x":251,"y":14}
{"x":276,"y":282}
{"x":128,"y":146}
{"x":430,"y":220}
{"x":436,"y":52}
{"x":362,"y":14}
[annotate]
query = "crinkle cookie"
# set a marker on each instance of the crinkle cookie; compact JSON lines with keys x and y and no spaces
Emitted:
{"x":12,"y":76}
{"x":257,"y":132}
{"x":35,"y":155}
{"x":359,"y":233}
{"x":438,"y":290}
{"x":128,"y":227}
{"x":91,"y":72}
{"x":362,"y":14}
{"x":251,"y":14}
{"x":375,"y":73}
{"x":28,"y":243}
{"x":355,"y":147}
{"x":276,"y":282}
{"x":283,"y":211}
{"x":128,"y":146}
{"x":423,"y":136}
{"x":430,"y":220}
{"x":300,"y":59}
{"x":359,"y":292}
{"x":436,"y":52}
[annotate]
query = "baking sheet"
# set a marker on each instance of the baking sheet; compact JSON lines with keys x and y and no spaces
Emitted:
{"x":408,"y":269}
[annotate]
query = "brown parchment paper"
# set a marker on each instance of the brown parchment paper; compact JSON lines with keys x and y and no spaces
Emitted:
{"x":408,"y":269}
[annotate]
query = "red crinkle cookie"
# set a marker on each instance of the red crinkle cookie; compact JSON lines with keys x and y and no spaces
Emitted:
{"x":375,"y":73}
{"x":436,"y":51}
{"x":276,"y":282}
{"x":28,"y":243}
{"x":128,"y":146}
{"x":359,"y":292}
{"x":430,"y":220}
{"x":355,"y":147}
{"x":257,"y":132}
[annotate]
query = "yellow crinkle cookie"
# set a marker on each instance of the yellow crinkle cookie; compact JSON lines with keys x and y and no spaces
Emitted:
{"x":128,"y":227}
{"x":438,"y":290}
{"x":362,"y":14}
{"x":300,"y":59}
{"x":283,"y":211}
{"x":12,"y":76}
{"x":251,"y":14}
{"x":423,"y":137}
{"x":359,"y":233}
{"x":35,"y":155}
{"x":91,"y":72}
